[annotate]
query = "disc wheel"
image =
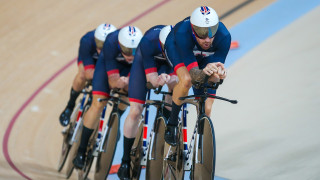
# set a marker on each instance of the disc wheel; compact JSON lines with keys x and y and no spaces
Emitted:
{"x":173,"y":162}
{"x":204,"y":153}
{"x":136,"y":153}
{"x":104,"y":159}
{"x":155,"y":153}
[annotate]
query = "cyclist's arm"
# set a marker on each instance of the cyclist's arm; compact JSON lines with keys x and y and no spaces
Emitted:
{"x":86,"y":56}
{"x":110,"y":52}
{"x":190,"y":61}
{"x":147,"y":54}
{"x":220,"y":56}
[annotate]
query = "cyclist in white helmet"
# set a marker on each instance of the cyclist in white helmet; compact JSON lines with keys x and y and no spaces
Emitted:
{"x":196,"y":47}
{"x":112,"y":71}
{"x":150,"y":66}
{"x":90,"y":46}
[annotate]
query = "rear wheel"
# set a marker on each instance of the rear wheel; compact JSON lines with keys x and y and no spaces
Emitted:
{"x":173,"y":162}
{"x":136,"y":153}
{"x":155,"y":153}
{"x":66,"y":137}
{"x":204,"y":153}
{"x":104,"y":160}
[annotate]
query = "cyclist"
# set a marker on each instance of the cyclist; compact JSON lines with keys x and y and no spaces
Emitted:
{"x":112,"y":71}
{"x":90,"y":46}
{"x":150,"y":65}
{"x":196,"y":47}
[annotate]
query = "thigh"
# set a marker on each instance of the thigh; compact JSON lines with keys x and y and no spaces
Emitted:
{"x":137,"y":82}
{"x":100,"y":85}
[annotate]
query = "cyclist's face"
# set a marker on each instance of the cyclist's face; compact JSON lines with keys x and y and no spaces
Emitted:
{"x":205,"y":43}
{"x":129,"y":59}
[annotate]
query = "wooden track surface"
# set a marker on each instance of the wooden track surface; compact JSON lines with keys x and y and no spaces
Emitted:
{"x":37,"y":39}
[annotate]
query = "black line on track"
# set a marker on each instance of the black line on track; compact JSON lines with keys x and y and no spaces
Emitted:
{"x":235,"y":9}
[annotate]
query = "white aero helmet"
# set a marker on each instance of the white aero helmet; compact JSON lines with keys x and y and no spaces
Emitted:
{"x":129,"y":38}
{"x":204,"y":21}
{"x":102,"y":32}
{"x":164,"y":34}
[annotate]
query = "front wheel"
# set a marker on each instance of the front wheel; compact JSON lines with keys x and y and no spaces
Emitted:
{"x":173,"y":160}
{"x":204,"y":153}
{"x":104,"y":160}
{"x":155,"y":151}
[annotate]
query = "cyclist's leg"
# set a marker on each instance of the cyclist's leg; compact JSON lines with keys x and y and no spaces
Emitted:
{"x":77,"y":86}
{"x":181,"y":89}
{"x":137,"y":95}
{"x":100,"y":89}
{"x":171,"y":84}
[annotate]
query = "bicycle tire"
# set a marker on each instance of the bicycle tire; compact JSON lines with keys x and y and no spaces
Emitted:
{"x":136,"y":153}
{"x":155,"y":153}
{"x":104,"y":159}
{"x":66,"y":137}
{"x":173,"y":169}
{"x":203,"y":163}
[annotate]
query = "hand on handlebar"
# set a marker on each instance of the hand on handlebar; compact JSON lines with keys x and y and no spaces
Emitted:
{"x":163,"y":79}
{"x":216,"y":71}
{"x":122,"y":82}
{"x":222,"y":72}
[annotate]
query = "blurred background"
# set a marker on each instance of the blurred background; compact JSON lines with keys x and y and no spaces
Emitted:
{"x":272,"y":133}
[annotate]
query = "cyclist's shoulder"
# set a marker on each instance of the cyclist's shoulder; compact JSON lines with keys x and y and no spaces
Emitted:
{"x":222,"y":32}
{"x":113,"y":37}
{"x":183,"y":26}
{"x":88,"y":37}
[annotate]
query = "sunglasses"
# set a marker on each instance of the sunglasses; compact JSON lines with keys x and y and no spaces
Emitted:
{"x":204,"y":32}
{"x":127,"y":51}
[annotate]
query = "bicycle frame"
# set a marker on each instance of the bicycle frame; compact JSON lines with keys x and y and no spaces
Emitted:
{"x":149,"y":144}
{"x":145,"y":144}
{"x":79,"y":119}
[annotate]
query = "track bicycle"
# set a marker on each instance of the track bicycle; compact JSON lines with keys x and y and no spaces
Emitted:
{"x":102,"y":144}
{"x":200,"y":156}
{"x":72,"y":133}
{"x":149,"y":153}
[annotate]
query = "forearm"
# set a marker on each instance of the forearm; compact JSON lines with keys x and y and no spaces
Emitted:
{"x":197,"y":75}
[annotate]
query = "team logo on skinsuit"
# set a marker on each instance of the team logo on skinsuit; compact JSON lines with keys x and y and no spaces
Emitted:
{"x":132,"y":31}
{"x":205,"y":10}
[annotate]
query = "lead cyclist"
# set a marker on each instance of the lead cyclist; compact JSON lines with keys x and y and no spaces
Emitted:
{"x":196,"y":47}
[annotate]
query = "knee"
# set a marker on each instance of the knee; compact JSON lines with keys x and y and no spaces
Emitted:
{"x":81,"y":76}
{"x":135,"y":112}
{"x":97,"y":106}
{"x":186,"y":81}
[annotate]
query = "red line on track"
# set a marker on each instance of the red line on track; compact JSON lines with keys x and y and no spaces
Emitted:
{"x":26,"y":103}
